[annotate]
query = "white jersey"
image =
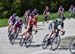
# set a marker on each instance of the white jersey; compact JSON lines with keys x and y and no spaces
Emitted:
{"x":17,"y":19}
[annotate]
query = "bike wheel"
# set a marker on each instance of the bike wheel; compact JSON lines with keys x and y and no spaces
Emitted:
{"x":22,"y":40}
{"x":55,"y":42}
{"x":45,"y":42}
{"x":28,"y":40}
{"x":72,"y":46}
{"x":12,"y":40}
{"x":13,"y":35}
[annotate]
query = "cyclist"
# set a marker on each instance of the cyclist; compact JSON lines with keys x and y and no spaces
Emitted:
{"x":18,"y":24}
{"x":61,"y":11}
{"x":12,"y":20}
{"x":26,"y":15}
{"x":35,"y":18}
{"x":72,"y":10}
{"x":53,"y":26}
{"x":29,"y":26}
{"x":46,"y":14}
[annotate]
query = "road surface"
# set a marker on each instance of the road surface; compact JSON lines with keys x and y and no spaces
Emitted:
{"x":35,"y":48}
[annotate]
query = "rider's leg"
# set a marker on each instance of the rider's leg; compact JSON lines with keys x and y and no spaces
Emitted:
{"x":35,"y":27}
{"x":62,"y":28}
{"x":47,"y":17}
{"x":50,"y":35}
{"x":25,"y":33}
{"x":10,"y":25}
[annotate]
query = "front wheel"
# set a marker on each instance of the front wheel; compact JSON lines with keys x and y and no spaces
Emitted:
{"x":55,"y":42}
{"x":72,"y":46}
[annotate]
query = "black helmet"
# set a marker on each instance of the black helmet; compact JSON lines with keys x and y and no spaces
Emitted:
{"x":35,"y":11}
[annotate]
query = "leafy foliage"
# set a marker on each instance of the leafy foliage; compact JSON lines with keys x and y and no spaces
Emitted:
{"x":7,"y":7}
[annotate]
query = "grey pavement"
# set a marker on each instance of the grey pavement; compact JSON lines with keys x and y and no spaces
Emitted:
{"x":35,"y":48}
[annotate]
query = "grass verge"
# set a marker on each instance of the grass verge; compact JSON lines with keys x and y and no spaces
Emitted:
{"x":3,"y":22}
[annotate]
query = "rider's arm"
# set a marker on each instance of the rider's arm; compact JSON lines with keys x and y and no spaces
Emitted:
{"x":44,"y":11}
{"x":58,"y":10}
{"x":15,"y":23}
{"x":28,"y":24}
{"x":53,"y":26}
{"x":9,"y":20}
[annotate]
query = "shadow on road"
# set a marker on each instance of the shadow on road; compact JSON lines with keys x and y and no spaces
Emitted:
{"x":62,"y":48}
{"x":73,"y":53}
{"x":36,"y":45}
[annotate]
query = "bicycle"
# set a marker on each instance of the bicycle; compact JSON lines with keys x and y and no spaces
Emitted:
{"x":13,"y":35}
{"x":72,"y":46}
{"x":53,"y":40}
{"x":26,"y":40}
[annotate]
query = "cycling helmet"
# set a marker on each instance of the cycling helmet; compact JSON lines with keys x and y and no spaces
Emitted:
{"x":14,"y":14}
{"x":35,"y":11}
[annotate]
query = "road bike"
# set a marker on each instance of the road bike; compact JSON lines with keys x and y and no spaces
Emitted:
{"x":13,"y":35}
{"x":53,"y":41}
{"x":26,"y":38}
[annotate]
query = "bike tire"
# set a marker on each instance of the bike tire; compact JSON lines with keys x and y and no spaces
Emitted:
{"x":12,"y":40}
{"x":57,"y":39}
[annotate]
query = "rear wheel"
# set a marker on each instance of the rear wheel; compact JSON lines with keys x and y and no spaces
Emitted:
{"x":12,"y":40}
{"x":12,"y":37}
{"x":9,"y":31}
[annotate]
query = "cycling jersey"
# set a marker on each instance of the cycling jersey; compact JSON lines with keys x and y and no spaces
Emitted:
{"x":18,"y":23}
{"x":46,"y":11}
{"x":55,"y":24}
{"x":71,"y":9}
{"x":61,"y":9}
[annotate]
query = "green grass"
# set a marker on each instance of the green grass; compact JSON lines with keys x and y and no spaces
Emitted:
{"x":3,"y":22}
{"x":53,"y":16}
